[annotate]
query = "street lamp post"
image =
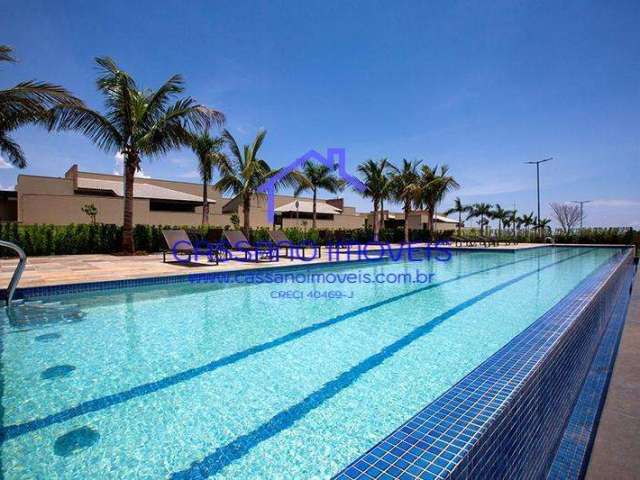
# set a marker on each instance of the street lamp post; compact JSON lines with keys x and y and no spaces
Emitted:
{"x":537,"y":164}
{"x":581,"y":203}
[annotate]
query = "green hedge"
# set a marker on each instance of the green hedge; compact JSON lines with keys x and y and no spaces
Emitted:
{"x":106,"y":238}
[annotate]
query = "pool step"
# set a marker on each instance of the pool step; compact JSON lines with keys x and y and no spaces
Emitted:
{"x":36,"y":313}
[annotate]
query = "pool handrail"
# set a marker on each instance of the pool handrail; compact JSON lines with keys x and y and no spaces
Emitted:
{"x":17,"y":273}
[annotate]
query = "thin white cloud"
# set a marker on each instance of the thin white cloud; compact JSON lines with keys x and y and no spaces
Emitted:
{"x":4,"y":163}
{"x":190,"y":174}
{"x":182,"y":162}
{"x":614,"y":203}
{"x":119,"y":168}
{"x":493,"y":187}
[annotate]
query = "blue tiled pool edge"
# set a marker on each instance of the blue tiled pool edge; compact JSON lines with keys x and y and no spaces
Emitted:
{"x":506,"y":418}
{"x":572,"y":456}
{"x":32,"y":293}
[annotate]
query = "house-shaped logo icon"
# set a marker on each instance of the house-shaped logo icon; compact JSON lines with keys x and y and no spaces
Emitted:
{"x":335,"y":159}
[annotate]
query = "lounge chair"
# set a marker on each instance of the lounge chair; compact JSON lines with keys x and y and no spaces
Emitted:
{"x":178,"y":242}
{"x":239,"y":243}
{"x":280,"y":240}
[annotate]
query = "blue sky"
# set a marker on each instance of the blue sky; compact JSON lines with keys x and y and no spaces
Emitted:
{"x":480,"y":86}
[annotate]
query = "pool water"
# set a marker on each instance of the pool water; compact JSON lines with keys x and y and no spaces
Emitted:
{"x":245,"y":381}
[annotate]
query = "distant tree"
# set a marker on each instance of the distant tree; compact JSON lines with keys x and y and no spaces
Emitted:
{"x":459,"y":208}
{"x":375,"y":182}
{"x":405,"y":188}
{"x":434,"y":185}
{"x":207,"y":149}
{"x":528,"y":220}
{"x":544,"y":224}
{"x":26,"y":103}
{"x":91,"y":210}
{"x":501,"y":215}
{"x":316,"y":177}
{"x":567,"y":215}
{"x":483,"y":212}
{"x":243,"y":172}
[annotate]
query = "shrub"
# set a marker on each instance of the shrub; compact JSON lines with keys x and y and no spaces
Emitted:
{"x":106,"y":238}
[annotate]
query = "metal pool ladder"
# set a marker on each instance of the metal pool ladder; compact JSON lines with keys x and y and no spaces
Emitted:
{"x":11,"y":289}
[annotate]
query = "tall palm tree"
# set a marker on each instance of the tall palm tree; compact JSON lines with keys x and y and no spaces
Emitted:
{"x":528,"y":220}
{"x":26,"y":103}
{"x":316,"y":177}
{"x":405,"y":188}
{"x":500,"y":214}
{"x":512,"y":220}
{"x":376,"y":187}
{"x":136,"y":123}
{"x":483,"y":211}
{"x":458,"y":208}
{"x":243,"y":172}
{"x":208,"y":151}
{"x":435,"y":184}
{"x":544,"y":225}
{"x":386,"y":184}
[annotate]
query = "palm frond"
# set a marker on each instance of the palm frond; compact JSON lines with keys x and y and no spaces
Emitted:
{"x":5,"y":54}
{"x":12,"y":151}
{"x":88,"y":122}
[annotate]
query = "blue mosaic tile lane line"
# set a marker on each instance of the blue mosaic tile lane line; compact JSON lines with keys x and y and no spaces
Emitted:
{"x":11,"y":431}
{"x":225,"y":455}
{"x":443,"y":440}
{"x":573,"y":453}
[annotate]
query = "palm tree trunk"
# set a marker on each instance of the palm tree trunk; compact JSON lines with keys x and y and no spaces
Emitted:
{"x":313,"y":221}
{"x":381,"y":214}
{"x":127,"y":223}
{"x":375,"y":221}
{"x":205,"y":204}
{"x":481,"y":225}
{"x":459,"y":222}
{"x":246,"y":211}
{"x":407,"y":211}
{"x":430,"y":221}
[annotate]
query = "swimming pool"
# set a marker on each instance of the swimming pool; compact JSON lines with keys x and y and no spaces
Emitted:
{"x":203,"y":380}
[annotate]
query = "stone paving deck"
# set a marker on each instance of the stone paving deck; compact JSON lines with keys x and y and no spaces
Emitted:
{"x":67,"y":269}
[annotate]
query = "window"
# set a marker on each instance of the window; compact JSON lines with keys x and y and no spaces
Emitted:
{"x":171,"y":206}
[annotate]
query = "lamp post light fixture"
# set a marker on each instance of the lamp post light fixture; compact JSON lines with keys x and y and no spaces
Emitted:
{"x":537,"y":164}
{"x":581,"y":203}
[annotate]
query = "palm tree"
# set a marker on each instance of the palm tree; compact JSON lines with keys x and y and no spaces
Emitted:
{"x":458,"y":208}
{"x":386,"y":187}
{"x":511,"y":220}
{"x":405,"y":188}
{"x":435,"y":184}
{"x":316,"y":177}
{"x":528,"y":221}
{"x":482,"y":210}
{"x":243,"y":172}
{"x":376,"y":187}
{"x":207,"y":149}
{"x":137,"y":123}
{"x":26,"y":103}
{"x":544,"y":225}
{"x":500,"y":214}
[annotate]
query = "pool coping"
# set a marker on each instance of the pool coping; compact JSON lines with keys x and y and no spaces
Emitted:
{"x":440,"y":440}
{"x":200,"y":277}
{"x":169,"y":279}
